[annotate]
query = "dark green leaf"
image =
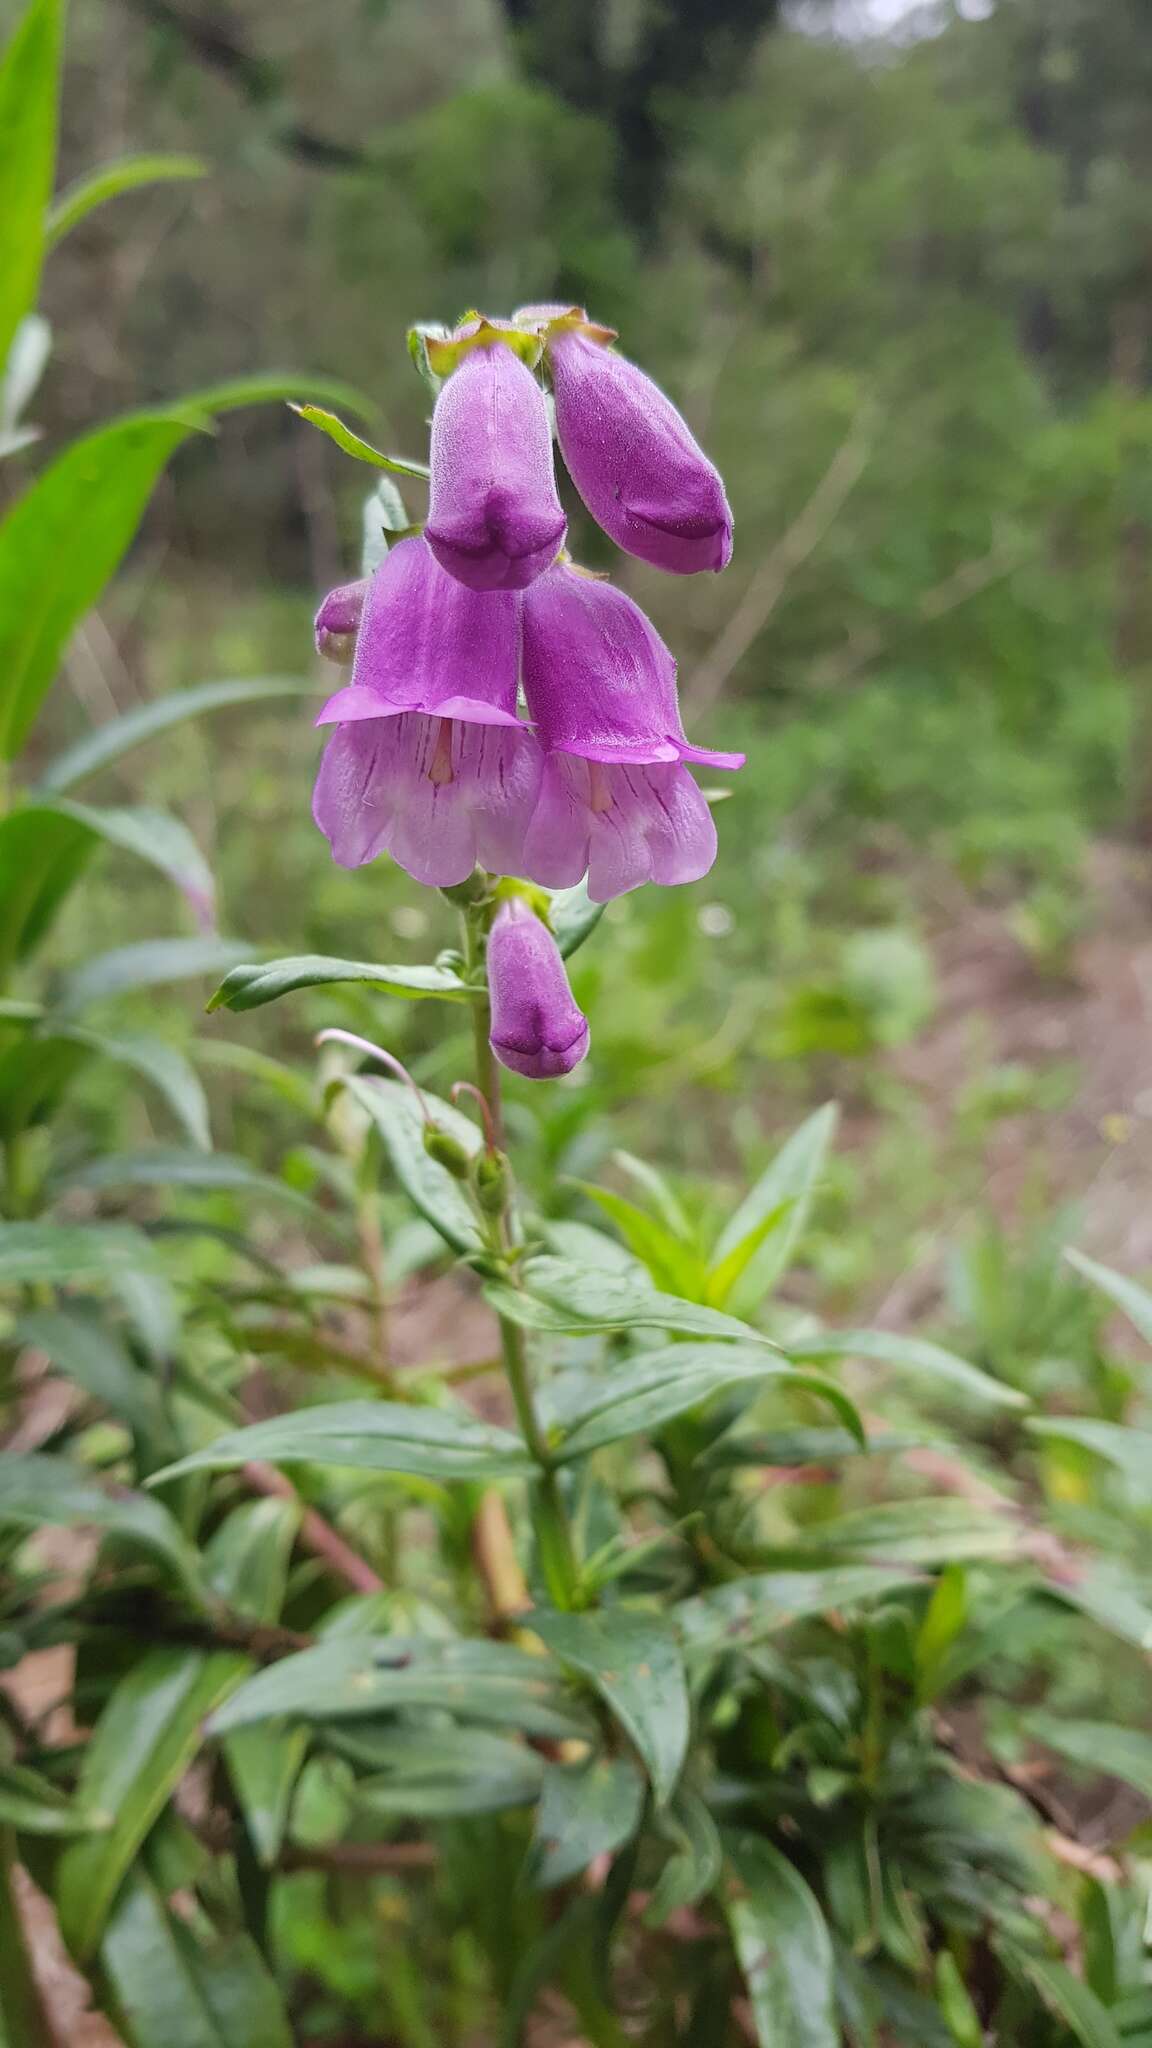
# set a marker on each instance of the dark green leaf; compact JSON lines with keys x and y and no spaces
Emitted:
{"x":38,"y":1491}
{"x":169,"y":1072}
{"x":264,"y":1763}
{"x":250,"y":986}
{"x":792,"y":1180}
{"x":586,"y":1810}
{"x":375,"y":1436}
{"x":354,"y":444}
{"x":87,"y":1351}
{"x":145,"y":1740}
{"x":428,"y":1186}
{"x":149,"y":964}
{"x":447,"y":1773}
{"x":169,"y":1168}
{"x":246,"y":1560}
{"x":42,"y":856}
{"x":352,"y":1676}
{"x":784,"y":1947}
{"x":35,"y":1075}
{"x":1074,"y":2005}
{"x":106,"y":743}
{"x":645,"y":1393}
{"x":59,"y":1252}
{"x":633,"y":1659}
{"x":171,"y":1989}
{"x":928,"y":1531}
{"x":907,"y":1354}
{"x":127,"y":174}
{"x":29,"y":95}
{"x":1111,"y":1595}
{"x":696,"y":1860}
{"x":574,"y":917}
{"x":34,"y":1806}
{"x":152,"y":836}
{"x":558,"y":1295}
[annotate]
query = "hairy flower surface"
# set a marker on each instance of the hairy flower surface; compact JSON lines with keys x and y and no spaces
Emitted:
{"x":616,"y":800}
{"x":537,"y":1027}
{"x":338,"y":621}
{"x":429,"y":761}
{"x":494,"y":520}
{"x":633,"y":460}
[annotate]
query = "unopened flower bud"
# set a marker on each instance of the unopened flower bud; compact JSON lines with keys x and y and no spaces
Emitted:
{"x":494,"y":519}
{"x":447,"y":1151}
{"x":492,"y":1182}
{"x":537,"y":1029}
{"x":338,"y":621}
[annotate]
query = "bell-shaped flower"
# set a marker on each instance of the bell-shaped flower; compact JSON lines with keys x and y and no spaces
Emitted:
{"x":494,"y":519}
{"x":616,"y":799}
{"x":338,"y":621}
{"x":632,"y":458}
{"x":537,"y":1027}
{"x":429,"y":761}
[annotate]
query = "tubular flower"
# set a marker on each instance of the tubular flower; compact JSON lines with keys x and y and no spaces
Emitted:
{"x":537,"y":1028}
{"x":616,"y":800}
{"x":338,"y":621}
{"x":494,"y":520}
{"x":631,"y":457}
{"x":429,"y":761}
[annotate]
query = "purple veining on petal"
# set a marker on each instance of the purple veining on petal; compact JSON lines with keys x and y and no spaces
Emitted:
{"x":621,"y":824}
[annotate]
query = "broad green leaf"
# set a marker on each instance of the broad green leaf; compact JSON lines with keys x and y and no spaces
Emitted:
{"x":29,"y":100}
{"x":270,"y":387}
{"x":925,"y":1532}
{"x":150,"y":964}
{"x":784,"y":1947}
{"x":86,"y":1350}
{"x":429,"y":1187}
{"x":127,"y":174}
{"x":169,"y":1071}
{"x":42,"y":856}
{"x":792,"y":1178}
{"x":39,"y":1491}
{"x":60,"y":543}
{"x":1074,"y":2005}
{"x":1130,"y":1450}
{"x":801,"y":1446}
{"x":250,"y":986}
{"x":33,"y":1805}
{"x":374,"y":1436}
{"x":1098,"y":1746}
{"x":356,"y":1676}
{"x":354,"y":444}
{"x":145,"y":1740}
{"x":644,"y":1393}
{"x":747,"y":1610}
{"x":558,"y":1295}
{"x":574,"y":917}
{"x":671,"y":1263}
{"x":448,"y":1773}
{"x":696,"y":1860}
{"x":167,"y":1167}
{"x":633,"y":1659}
{"x":152,"y":836}
{"x":246,"y":1559}
{"x":1135,"y":1301}
{"x":907,"y":1354}
{"x":174,"y":1991}
{"x":108,"y":742}
{"x":586,"y":1810}
{"x":264,"y":1763}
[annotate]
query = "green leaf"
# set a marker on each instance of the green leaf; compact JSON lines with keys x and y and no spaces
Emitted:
{"x":373,"y":1436}
{"x":152,"y":836}
{"x":60,"y":543}
{"x":1135,"y":1301}
{"x":586,"y":1810}
{"x":173,"y":1989}
{"x":928,"y":1531}
{"x":558,"y":1295}
{"x":1130,"y":1450}
{"x":669,"y":1261}
{"x":747,"y":1610}
{"x":108,"y":742}
{"x":87,"y":1351}
{"x":149,"y":964}
{"x":170,"y":1073}
{"x":55,"y":1253}
{"x":246,"y":1559}
{"x":35,"y":1075}
{"x":1111,"y":1596}
{"x":38,"y":1491}
{"x":29,"y":99}
{"x":1098,"y":1746}
{"x":448,"y":1773}
{"x":353,"y":444}
{"x":147,"y":1736}
{"x":127,"y":174}
{"x":33,"y":1805}
{"x":1074,"y":2005}
{"x":264,"y":1764}
{"x":907,"y":1354}
{"x":697,"y":1857}
{"x":272,"y":387}
{"x":429,"y":1187}
{"x":724,"y":1275}
{"x":648,"y":1391}
{"x":23,"y":2020}
{"x":573,"y":917}
{"x":353,"y":1676}
{"x":633,"y":1659}
{"x":42,"y":856}
{"x":250,"y":986}
{"x":792,"y":1179}
{"x":784,"y":1947}
{"x":170,"y":1168}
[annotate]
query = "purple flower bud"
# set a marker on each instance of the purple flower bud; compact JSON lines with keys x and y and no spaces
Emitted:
{"x":537,"y":1028}
{"x":616,"y":800}
{"x":494,"y":519}
{"x":633,"y":461}
{"x":429,"y":761}
{"x":338,"y":621}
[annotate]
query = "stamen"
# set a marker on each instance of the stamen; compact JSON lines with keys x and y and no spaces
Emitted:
{"x":440,"y":768}
{"x":599,"y":787}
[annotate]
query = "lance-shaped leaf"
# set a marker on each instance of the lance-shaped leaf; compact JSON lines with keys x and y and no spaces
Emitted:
{"x":1130,"y":1450}
{"x":429,"y":1187}
{"x":447,"y":1773}
{"x":646,"y":1392}
{"x":152,"y":836}
{"x":1097,"y":1746}
{"x":33,"y":1805}
{"x":354,"y":444}
{"x":922,"y":1532}
{"x":586,"y":1810}
{"x":254,"y":983}
{"x":172,"y":1986}
{"x":1135,"y":1301}
{"x":127,"y":174}
{"x":784,"y":1946}
{"x":39,"y":1491}
{"x":29,"y":96}
{"x":372,"y":1436}
{"x":633,"y":1659}
{"x":172,"y":1169}
{"x":117,"y":736}
{"x":785,"y":1190}
{"x":42,"y":855}
{"x":913,"y":1355}
{"x":87,"y":1351}
{"x":558,"y":1295}
{"x":149,"y":964}
{"x":747,"y":1610}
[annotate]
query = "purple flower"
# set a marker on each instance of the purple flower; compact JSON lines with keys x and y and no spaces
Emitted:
{"x":429,"y":761}
{"x":494,"y":519}
{"x":616,"y":800}
{"x":338,"y":621}
{"x":537,"y":1028}
{"x":633,"y":460}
